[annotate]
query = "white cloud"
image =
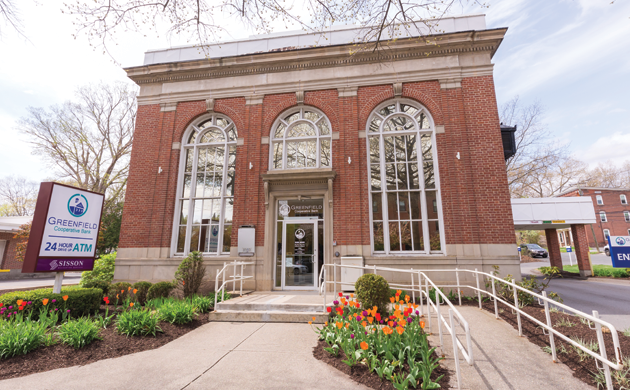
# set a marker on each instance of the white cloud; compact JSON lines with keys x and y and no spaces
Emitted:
{"x":614,"y":148}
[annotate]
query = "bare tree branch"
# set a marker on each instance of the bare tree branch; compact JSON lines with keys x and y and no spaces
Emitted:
{"x":18,"y":195}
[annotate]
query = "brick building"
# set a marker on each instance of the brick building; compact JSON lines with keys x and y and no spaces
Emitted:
{"x":395,"y":157}
{"x":9,"y":226}
{"x":612,"y":211}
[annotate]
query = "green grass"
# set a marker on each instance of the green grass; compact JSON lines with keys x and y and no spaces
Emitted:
{"x":602,"y":270}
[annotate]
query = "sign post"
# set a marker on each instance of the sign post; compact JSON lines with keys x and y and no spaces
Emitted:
{"x":64,"y":232}
{"x":569,"y":250}
{"x":519,"y":253}
{"x":619,"y":251}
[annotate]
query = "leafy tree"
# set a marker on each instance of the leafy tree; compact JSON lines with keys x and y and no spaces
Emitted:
{"x":190,"y":273}
{"x":87,"y":142}
{"x":109,"y":233}
{"x":22,"y":236}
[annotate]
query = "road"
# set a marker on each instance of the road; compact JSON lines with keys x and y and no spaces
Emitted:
{"x":609,"y":297}
{"x":69,"y":278}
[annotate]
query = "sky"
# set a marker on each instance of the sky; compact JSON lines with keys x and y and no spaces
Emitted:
{"x":572,"y":56}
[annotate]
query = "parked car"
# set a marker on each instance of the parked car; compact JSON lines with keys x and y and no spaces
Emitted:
{"x":607,"y":250}
{"x":535,"y":250}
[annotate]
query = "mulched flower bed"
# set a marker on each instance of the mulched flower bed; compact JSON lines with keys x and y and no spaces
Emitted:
{"x":581,"y":369}
{"x":113,"y":345}
{"x":360,"y":373}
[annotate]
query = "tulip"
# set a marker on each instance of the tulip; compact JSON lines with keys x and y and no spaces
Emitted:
{"x":365,"y":313}
{"x":130,"y":304}
{"x":417,"y":312}
{"x":56,"y":309}
{"x":135,"y":290}
{"x":422,"y":324}
{"x":45,"y":301}
{"x":54,"y":300}
{"x":21,"y":308}
{"x":29,"y":302}
{"x":391,"y":299}
{"x":65,"y":297}
{"x":335,"y":302}
{"x":19,"y":302}
{"x":329,"y":309}
{"x":122,"y":291}
{"x":364,"y":345}
{"x":352,"y":335}
{"x":400,"y":330}
{"x":68,"y":311}
{"x":313,"y":318}
{"x":310,"y":322}
{"x":11,"y":307}
{"x":1,"y":304}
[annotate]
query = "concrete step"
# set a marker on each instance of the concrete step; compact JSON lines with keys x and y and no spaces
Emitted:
{"x":267,"y":316}
{"x":254,"y":306}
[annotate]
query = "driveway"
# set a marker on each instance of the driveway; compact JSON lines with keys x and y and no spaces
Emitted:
{"x":69,"y":278}
{"x":608,"y":296}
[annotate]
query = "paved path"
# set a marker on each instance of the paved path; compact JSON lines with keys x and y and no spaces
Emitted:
{"x":503,"y":360}
{"x":608,"y":296}
{"x":218,"y":355}
{"x":73,"y":278}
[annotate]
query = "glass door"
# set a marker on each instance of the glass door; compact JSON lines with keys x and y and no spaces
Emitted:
{"x":300,"y":255}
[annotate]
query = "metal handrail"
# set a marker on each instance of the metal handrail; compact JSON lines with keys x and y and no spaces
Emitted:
{"x":450,"y":327}
{"x":234,"y":278}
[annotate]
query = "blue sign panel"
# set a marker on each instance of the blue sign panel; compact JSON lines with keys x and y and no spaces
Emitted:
{"x":619,"y":251}
{"x":569,"y":249}
{"x":519,"y":248}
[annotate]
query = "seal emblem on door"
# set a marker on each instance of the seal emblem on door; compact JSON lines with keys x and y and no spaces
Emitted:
{"x":300,"y":233}
{"x":284,"y":210}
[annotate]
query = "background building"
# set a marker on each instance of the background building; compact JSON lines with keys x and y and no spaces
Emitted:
{"x":395,"y":157}
{"x":10,"y":266}
{"x":612,"y":211}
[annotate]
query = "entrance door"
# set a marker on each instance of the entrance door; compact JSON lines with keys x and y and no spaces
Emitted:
{"x":300,"y":260}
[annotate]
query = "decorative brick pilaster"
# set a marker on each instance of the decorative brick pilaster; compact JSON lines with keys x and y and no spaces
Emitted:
{"x":553,"y":245}
{"x":581,"y":250}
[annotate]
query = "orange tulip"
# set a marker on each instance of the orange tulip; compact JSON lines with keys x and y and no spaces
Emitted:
{"x":398,"y":292}
{"x":310,"y":322}
{"x":390,"y":323}
{"x":400,"y":329}
{"x":130,"y":304}
{"x":65,"y":297}
{"x":45,"y":301}
{"x":347,"y":325}
{"x":326,"y":323}
{"x":370,"y":319}
{"x":19,"y":302}
{"x":116,"y":296}
{"x":129,"y":288}
{"x":391,"y":299}
{"x":407,"y":298}
{"x":387,"y":330}
{"x":422,"y":324}
{"x":351,"y":295}
{"x":339,"y":325}
{"x":402,"y":322}
{"x":364,"y":345}
{"x":135,"y":290}
{"x":122,"y":291}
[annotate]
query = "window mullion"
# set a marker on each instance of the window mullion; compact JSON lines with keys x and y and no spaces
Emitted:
{"x":191,"y":200}
{"x":423,"y":195}
{"x":384,"y":206}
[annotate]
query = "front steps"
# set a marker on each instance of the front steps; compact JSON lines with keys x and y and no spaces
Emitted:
{"x":261,"y":307}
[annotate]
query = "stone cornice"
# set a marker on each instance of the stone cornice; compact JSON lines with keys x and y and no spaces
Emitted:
{"x":317,"y":58}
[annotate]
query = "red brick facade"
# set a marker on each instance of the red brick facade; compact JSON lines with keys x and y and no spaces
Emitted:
{"x":8,"y":261}
{"x":475,"y":199}
{"x":615,"y":211}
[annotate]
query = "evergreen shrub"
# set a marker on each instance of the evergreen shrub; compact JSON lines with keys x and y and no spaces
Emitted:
{"x":373,"y":290}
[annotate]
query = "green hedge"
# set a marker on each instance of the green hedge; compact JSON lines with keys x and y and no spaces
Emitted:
{"x":81,"y":301}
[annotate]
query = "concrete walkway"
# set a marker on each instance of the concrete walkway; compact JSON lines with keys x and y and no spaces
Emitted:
{"x":219,"y":355}
{"x":502,"y":359}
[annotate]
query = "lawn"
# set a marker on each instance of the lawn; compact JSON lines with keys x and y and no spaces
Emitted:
{"x":602,"y":270}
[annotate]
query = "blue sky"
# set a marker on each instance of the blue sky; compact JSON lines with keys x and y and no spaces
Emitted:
{"x":571,"y":55}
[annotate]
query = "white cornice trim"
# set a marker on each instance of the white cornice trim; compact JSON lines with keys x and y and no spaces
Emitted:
{"x":293,"y":81}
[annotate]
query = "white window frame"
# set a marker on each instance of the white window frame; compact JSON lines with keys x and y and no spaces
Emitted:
{"x":606,"y":234}
{"x":602,"y":216}
{"x":423,"y":201}
{"x":623,"y":199}
{"x":599,"y":200}
{"x":288,"y":126}
{"x":196,"y":146}
{"x":626,"y":216}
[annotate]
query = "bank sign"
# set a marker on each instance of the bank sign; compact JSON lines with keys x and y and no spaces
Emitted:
{"x":65,"y":229}
{"x":619,"y":251}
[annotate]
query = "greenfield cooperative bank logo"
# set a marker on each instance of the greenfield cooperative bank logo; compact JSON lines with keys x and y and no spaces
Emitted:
{"x":77,"y":205}
{"x":621,"y":241}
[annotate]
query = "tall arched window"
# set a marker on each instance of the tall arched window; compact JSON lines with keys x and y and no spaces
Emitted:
{"x":403,"y":177}
{"x":301,"y":138}
{"x":205,"y":196}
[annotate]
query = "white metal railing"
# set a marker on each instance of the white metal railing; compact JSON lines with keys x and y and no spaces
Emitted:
{"x":232,"y":279}
{"x":543,"y":300}
{"x":454,"y":316}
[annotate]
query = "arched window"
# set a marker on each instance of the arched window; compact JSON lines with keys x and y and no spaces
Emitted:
{"x":301,"y":138}
{"x":403,"y":176}
{"x":205,"y":195}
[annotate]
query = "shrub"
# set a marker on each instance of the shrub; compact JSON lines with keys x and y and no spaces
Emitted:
{"x":120,"y":289}
{"x":81,"y":301}
{"x":160,"y":289}
{"x":221,"y":299}
{"x":19,"y":337}
{"x":177,"y":312}
{"x":143,"y":290}
{"x":373,"y":290}
{"x":79,"y":333}
{"x":138,"y":323}
{"x":100,"y":284}
{"x":190,"y":273}
{"x":103,"y":271}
